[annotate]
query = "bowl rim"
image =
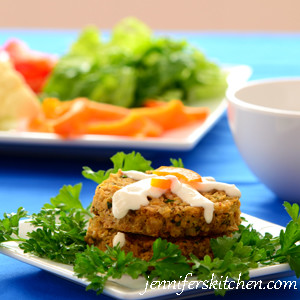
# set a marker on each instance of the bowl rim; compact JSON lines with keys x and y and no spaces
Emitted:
{"x":231,"y":96}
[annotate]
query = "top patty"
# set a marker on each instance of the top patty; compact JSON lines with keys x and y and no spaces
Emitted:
{"x":168,"y":215}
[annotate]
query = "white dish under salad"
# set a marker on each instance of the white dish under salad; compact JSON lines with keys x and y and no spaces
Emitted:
{"x":127,"y":288}
{"x":185,"y":138}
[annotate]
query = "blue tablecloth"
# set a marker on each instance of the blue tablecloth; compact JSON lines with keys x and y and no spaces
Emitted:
{"x":30,"y":179}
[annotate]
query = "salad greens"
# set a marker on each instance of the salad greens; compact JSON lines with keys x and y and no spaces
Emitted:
{"x":133,"y":66}
{"x":60,"y":228}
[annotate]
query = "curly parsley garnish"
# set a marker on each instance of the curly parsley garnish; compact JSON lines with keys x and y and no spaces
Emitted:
{"x":97,"y":266}
{"x":60,"y":229}
{"x":59,"y":235}
{"x":233,"y":257}
{"x":126,"y":162}
{"x":9,"y":226}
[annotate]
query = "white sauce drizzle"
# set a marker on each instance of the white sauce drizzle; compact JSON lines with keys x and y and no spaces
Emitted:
{"x":208,"y":178}
{"x":191,"y":196}
{"x":119,"y":238}
{"x":207,"y":185}
{"x":134,"y":195}
{"x":136,"y":175}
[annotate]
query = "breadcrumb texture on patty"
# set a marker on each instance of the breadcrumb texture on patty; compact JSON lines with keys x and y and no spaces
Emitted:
{"x":166,"y":216}
{"x":141,"y":245}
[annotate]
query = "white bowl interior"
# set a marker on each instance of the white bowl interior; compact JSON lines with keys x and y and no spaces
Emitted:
{"x":282,"y":95}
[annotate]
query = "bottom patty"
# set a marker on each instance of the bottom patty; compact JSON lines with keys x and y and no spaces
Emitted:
{"x":141,"y":245}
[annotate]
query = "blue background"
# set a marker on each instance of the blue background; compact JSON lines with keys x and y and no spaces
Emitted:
{"x":30,"y":177}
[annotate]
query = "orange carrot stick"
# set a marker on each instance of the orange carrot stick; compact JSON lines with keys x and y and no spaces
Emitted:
{"x":83,"y":116}
{"x":168,"y":116}
{"x":54,"y":108}
{"x":196,"y":113}
{"x":72,"y":123}
{"x":154,"y":103}
{"x":131,"y":125}
{"x":101,"y":111}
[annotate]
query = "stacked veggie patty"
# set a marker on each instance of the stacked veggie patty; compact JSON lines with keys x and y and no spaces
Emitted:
{"x":167,"y":217}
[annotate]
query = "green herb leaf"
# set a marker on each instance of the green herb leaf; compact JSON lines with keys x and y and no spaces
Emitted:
{"x":130,"y":161}
{"x":168,"y":262}
{"x":67,"y":198}
{"x":126,"y":162}
{"x":293,"y":258}
{"x":98,"y":176}
{"x":113,"y":263}
{"x":97,"y":266}
{"x":169,"y":201}
{"x":177,"y":162}
{"x":289,"y":250}
{"x":59,"y":235}
{"x":293,"y":211}
{"x":9,"y":225}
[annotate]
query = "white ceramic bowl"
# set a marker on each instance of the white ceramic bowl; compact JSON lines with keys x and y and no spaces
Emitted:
{"x":264,"y":117}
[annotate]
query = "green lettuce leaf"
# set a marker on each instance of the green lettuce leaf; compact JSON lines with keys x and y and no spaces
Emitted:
{"x":132,"y":66}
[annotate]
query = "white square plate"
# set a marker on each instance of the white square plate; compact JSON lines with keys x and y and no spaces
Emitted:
{"x":127,"y":288}
{"x":185,"y":138}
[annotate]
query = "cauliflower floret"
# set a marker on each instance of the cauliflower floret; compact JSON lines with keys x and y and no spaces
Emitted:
{"x":18,"y":103}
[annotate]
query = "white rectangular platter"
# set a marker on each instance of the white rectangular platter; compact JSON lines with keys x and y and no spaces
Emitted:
{"x":127,"y":288}
{"x":185,"y":138}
